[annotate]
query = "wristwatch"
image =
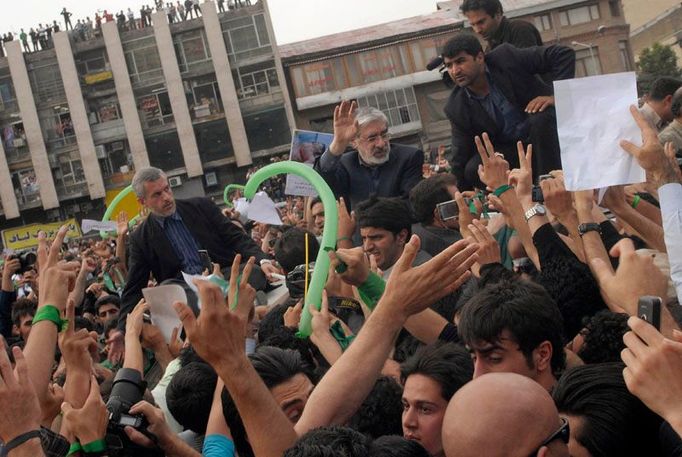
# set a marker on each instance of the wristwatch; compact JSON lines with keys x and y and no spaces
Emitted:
{"x":535,"y":211}
{"x":589,"y":227}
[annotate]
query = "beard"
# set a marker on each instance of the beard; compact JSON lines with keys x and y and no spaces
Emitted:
{"x":374,"y":161}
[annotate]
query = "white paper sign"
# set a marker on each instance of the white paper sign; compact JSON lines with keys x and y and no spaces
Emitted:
{"x":262,"y":209}
{"x":160,"y":300}
{"x":88,"y":225}
{"x":593,"y":115}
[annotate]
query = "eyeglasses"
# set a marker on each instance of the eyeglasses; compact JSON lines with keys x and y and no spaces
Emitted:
{"x":564,"y":433}
{"x":373,"y":138}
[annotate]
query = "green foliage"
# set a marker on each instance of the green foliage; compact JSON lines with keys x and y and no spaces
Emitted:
{"x":656,"y":61}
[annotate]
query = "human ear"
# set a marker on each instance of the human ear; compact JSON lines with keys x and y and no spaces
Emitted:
{"x":542,"y":356}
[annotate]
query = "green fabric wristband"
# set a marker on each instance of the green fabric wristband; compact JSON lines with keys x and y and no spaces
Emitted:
{"x":343,"y":238}
{"x":502,"y":189}
{"x":50,"y":313}
{"x":95,"y":446}
{"x":75,"y":447}
{"x":340,"y":336}
{"x":372,"y":289}
{"x":635,"y":201}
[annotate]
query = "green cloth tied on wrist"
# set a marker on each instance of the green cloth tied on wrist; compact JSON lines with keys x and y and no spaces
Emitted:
{"x":50,"y":313}
{"x":371,"y":290}
{"x":339,"y":335}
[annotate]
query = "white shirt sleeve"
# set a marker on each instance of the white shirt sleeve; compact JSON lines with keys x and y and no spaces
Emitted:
{"x":670,"y":196}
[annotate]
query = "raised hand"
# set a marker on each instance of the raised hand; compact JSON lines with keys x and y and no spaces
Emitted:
{"x":20,"y":412}
{"x":122,"y":224}
{"x":292,"y":316}
{"x":357,"y":265}
{"x":557,"y":199}
{"x":494,"y":170}
{"x":88,"y":423}
{"x":345,"y":126}
{"x":522,"y":178}
{"x":346,"y":222}
{"x":488,"y":248}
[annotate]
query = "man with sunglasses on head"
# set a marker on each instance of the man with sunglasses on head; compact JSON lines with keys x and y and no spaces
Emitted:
{"x":373,"y":165}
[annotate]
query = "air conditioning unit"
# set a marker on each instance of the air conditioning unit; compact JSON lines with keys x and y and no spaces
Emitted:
{"x":100,"y":151}
{"x":18,"y":142}
{"x":175,"y":181}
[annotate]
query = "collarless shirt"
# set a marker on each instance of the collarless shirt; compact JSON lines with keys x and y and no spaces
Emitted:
{"x":184,"y":244}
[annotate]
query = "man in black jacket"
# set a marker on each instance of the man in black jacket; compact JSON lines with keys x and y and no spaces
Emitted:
{"x":501,"y":94}
{"x":487,"y":19}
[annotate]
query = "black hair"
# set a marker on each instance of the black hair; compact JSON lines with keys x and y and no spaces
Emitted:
{"x":109,"y":326}
{"x":523,"y":308}
{"x":330,"y":442}
{"x":676,"y":106}
{"x":189,"y":396}
{"x":664,"y":86}
{"x":396,"y":446}
{"x":573,"y":287}
{"x":273,"y":320}
{"x":81,"y":322}
{"x":285,"y":338}
{"x":290,"y":248}
{"x":381,"y":412}
{"x":392,"y":214}
{"x":448,"y":364}
{"x":406,"y":346}
{"x":603,"y":337}
{"x":189,"y":355}
{"x":275,"y":365}
{"x":427,"y":193}
{"x":315,"y":201}
{"x":107,"y":300}
{"x":612,"y":420}
{"x":491,"y":7}
{"x":21,"y":308}
{"x":462,"y":42}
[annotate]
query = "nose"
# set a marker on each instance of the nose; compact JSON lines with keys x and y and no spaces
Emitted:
{"x":477,"y":28}
{"x":409,"y":419}
{"x":479,"y":368}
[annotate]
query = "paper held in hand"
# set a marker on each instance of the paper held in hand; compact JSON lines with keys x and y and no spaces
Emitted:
{"x":593,"y":115}
{"x":160,"y":300}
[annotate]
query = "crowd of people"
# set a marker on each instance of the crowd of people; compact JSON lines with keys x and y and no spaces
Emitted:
{"x":39,"y":38}
{"x":490,"y":314}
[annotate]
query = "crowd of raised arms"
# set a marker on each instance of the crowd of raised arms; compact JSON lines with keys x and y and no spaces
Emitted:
{"x":473,"y":306}
{"x":39,"y":38}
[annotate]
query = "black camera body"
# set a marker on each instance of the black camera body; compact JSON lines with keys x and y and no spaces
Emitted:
{"x":27,"y":260}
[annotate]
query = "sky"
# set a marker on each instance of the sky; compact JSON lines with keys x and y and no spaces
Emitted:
{"x":293,"y":20}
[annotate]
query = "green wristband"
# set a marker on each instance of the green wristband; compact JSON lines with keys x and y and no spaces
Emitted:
{"x":502,"y":189}
{"x":635,"y":201}
{"x":95,"y":446}
{"x":50,"y":313}
{"x":75,"y":447}
{"x":343,"y":238}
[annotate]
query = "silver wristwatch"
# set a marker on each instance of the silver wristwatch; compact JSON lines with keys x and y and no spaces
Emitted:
{"x":534,"y":211}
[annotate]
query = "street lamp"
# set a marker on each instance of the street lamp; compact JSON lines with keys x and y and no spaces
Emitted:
{"x":588,"y":46}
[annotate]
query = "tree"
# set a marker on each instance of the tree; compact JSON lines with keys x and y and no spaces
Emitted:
{"x":656,"y":61}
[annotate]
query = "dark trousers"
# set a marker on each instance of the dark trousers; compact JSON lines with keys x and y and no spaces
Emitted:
{"x":546,"y":154}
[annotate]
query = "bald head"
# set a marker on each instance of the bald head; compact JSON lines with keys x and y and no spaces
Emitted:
{"x":500,"y":415}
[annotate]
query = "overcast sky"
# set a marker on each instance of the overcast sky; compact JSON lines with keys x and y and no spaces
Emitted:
{"x":294,"y":20}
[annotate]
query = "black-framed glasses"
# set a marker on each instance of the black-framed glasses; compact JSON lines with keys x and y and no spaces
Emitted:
{"x":563,"y":433}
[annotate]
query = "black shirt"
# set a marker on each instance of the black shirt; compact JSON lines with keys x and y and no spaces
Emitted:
{"x":516,"y":32}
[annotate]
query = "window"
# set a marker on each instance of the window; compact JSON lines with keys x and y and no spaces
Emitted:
{"x":142,"y":58}
{"x":204,"y":99}
{"x":267,"y":129}
{"x":69,"y":177}
{"x":614,"y":7}
{"x":400,"y":106}
{"x":625,"y":58}
{"x":254,"y":80}
{"x":103,"y":109}
{"x":213,"y":140}
{"x":26,"y":186}
{"x":92,"y":62}
{"x":579,"y":15}
{"x":46,"y":82}
{"x":586,"y":63}
{"x":164,"y":151}
{"x":246,"y":37}
{"x":14,"y":142}
{"x":114,"y":158}
{"x":190,"y":48}
{"x":155,"y":109}
{"x":8,"y":100}
{"x":543,"y":22}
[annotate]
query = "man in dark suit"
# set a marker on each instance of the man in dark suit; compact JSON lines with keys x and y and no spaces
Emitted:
{"x":502,"y":94}
{"x":487,"y":19}
{"x":168,"y":241}
{"x":374,"y":166}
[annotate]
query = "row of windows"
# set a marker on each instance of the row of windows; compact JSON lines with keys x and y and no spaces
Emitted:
{"x":575,"y":16}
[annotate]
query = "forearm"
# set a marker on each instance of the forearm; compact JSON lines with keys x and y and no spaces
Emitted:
{"x":78,"y":291}
{"x":121,"y":253}
{"x":7,"y":284}
{"x":39,"y":353}
{"x":133,"y":357}
{"x":649,"y":211}
{"x":270,"y":431}
{"x":77,"y":386}
{"x":163,"y":356}
{"x":518,"y":219}
{"x":592,"y":242}
{"x":650,"y":231}
{"x":31,"y":448}
{"x":174,"y":446}
{"x":328,"y":346}
{"x":426,"y":326}
{"x":332,"y":402}
{"x":216,"y":419}
{"x":570,"y":222}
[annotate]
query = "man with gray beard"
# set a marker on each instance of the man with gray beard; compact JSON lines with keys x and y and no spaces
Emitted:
{"x":373,"y":166}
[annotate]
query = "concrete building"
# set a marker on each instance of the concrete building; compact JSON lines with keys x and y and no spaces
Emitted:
{"x":665,"y":28}
{"x":385,"y":65}
{"x":198,"y":98}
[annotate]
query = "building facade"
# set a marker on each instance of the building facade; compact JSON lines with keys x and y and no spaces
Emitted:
{"x":665,"y":28}
{"x":385,"y":66}
{"x":199,"y":99}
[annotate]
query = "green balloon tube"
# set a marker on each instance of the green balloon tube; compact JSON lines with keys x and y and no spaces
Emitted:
{"x":319,"y":278}
{"x":226,"y":194}
{"x":112,"y":206}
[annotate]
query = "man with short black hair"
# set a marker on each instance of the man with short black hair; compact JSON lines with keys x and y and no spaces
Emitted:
{"x":23,"y":311}
{"x":673,"y":132}
{"x":385,"y":227}
{"x":487,"y":19}
{"x":514,"y":326}
{"x":658,"y":106}
{"x":431,"y":377}
{"x":435,"y":232}
{"x":501,"y":94}
{"x":107,"y":308}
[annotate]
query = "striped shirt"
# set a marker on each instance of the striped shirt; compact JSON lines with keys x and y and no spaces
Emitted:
{"x":184,"y":244}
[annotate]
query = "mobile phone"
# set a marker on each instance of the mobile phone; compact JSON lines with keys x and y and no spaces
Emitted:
{"x":146,"y":318}
{"x":448,"y":210}
{"x":205,"y":260}
{"x":649,"y":309}
{"x":536,"y":194}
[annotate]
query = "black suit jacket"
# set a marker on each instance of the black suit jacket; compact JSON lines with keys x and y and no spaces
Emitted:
{"x":353,"y":181}
{"x":514,"y":71}
{"x":151,"y":251}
